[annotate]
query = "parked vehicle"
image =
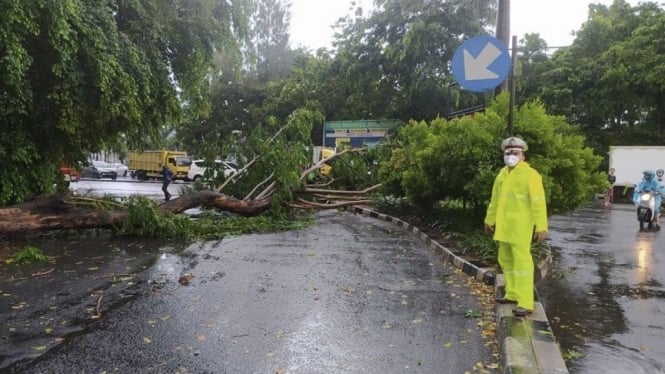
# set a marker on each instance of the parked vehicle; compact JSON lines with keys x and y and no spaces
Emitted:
{"x":121,"y":169}
{"x":99,"y":169}
{"x":197,"y":169}
{"x":319,"y":154}
{"x":71,"y":174}
{"x":148,"y":164}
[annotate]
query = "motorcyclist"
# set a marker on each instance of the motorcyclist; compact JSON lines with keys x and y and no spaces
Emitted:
{"x":649,"y":184}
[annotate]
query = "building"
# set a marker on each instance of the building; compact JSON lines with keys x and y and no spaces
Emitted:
{"x":356,"y":133}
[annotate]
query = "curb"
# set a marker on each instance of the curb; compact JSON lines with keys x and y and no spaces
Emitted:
{"x":526,"y":345}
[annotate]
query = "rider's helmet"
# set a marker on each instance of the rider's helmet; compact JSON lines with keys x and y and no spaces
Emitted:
{"x":648,"y":174}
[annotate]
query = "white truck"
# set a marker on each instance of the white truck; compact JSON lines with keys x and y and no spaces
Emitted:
{"x":629,"y":162}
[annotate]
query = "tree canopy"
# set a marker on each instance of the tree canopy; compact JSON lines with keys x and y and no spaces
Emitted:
{"x":221,"y":76}
{"x":76,"y":74}
{"x":609,"y":82}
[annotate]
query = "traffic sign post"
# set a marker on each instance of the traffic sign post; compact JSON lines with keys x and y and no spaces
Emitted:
{"x":481,"y":63}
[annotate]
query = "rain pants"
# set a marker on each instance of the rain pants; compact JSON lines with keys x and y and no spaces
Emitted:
{"x":518,"y":205}
{"x":649,"y":185}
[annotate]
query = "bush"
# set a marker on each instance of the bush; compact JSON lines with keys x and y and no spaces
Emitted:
{"x":30,"y":254}
{"x":459,"y":159}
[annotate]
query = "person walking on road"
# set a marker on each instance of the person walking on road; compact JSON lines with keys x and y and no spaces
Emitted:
{"x":517,"y":208}
{"x":609,"y":193}
{"x":167,"y":176}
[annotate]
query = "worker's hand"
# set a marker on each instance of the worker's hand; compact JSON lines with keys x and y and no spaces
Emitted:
{"x":541,"y":236}
{"x":489,"y":229}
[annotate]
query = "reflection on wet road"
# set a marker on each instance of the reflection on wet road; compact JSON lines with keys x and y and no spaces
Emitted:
{"x":349,"y":294}
{"x":605,"y":297}
{"x":126,"y":186}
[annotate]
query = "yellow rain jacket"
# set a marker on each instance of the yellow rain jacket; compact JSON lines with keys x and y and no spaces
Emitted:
{"x":518,"y":204}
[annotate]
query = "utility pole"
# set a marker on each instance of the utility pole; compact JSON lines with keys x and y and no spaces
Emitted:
{"x":511,"y":87}
{"x":503,"y":34}
{"x":503,"y":31}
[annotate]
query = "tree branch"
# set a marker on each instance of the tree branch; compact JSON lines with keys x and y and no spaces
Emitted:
{"x":257,"y":186}
{"x":333,"y":205}
{"x":319,"y":164}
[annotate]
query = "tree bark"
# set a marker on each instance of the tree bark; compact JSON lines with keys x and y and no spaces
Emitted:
{"x":64,"y":212}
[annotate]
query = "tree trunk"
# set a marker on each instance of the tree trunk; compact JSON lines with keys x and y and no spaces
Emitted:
{"x":64,"y":212}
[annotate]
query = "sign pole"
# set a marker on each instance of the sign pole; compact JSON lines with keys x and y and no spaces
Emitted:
{"x":511,"y":84}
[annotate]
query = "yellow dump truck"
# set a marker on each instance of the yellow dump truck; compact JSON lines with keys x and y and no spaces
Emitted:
{"x":148,"y":164}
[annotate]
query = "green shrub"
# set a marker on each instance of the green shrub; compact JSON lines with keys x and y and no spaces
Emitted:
{"x":30,"y":254}
{"x":459,"y":159}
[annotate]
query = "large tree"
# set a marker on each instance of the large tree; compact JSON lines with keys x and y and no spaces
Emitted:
{"x":394,"y":63}
{"x":608,"y":81}
{"x":75,"y":74}
{"x":238,"y":88}
{"x":270,"y":39}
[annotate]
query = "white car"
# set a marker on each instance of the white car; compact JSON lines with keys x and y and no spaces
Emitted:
{"x":99,"y":169}
{"x":120,"y":169}
{"x":197,"y":169}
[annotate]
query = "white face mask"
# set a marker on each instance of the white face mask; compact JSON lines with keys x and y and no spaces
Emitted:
{"x":511,"y":160}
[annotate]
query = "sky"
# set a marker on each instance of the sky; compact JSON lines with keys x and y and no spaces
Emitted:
{"x":554,"y":20}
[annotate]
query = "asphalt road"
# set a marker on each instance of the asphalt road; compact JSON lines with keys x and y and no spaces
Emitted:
{"x":606,"y":295}
{"x":349,"y":294}
{"x":126,"y":186}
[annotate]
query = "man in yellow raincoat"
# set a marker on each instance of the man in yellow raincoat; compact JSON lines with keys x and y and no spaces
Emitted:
{"x":516,"y":211}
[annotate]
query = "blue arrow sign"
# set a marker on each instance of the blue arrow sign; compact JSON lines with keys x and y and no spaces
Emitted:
{"x":481,"y":63}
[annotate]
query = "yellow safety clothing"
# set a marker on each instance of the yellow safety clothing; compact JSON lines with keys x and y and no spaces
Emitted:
{"x":517,"y":206}
{"x":517,"y":265}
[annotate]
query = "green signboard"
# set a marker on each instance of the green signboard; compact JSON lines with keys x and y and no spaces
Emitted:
{"x":357,"y":133}
{"x":387,"y":124}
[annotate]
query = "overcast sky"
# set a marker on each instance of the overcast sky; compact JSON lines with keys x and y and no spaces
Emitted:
{"x":311,"y":20}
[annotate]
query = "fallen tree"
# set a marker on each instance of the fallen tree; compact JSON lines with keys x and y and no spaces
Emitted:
{"x":67,"y":211}
{"x":276,"y":178}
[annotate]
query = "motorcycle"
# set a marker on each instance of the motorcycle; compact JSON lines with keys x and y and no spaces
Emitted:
{"x":646,"y":207}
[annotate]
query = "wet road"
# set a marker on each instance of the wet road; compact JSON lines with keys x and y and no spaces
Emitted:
{"x":606,"y":294}
{"x":126,"y":186}
{"x":350,"y":294}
